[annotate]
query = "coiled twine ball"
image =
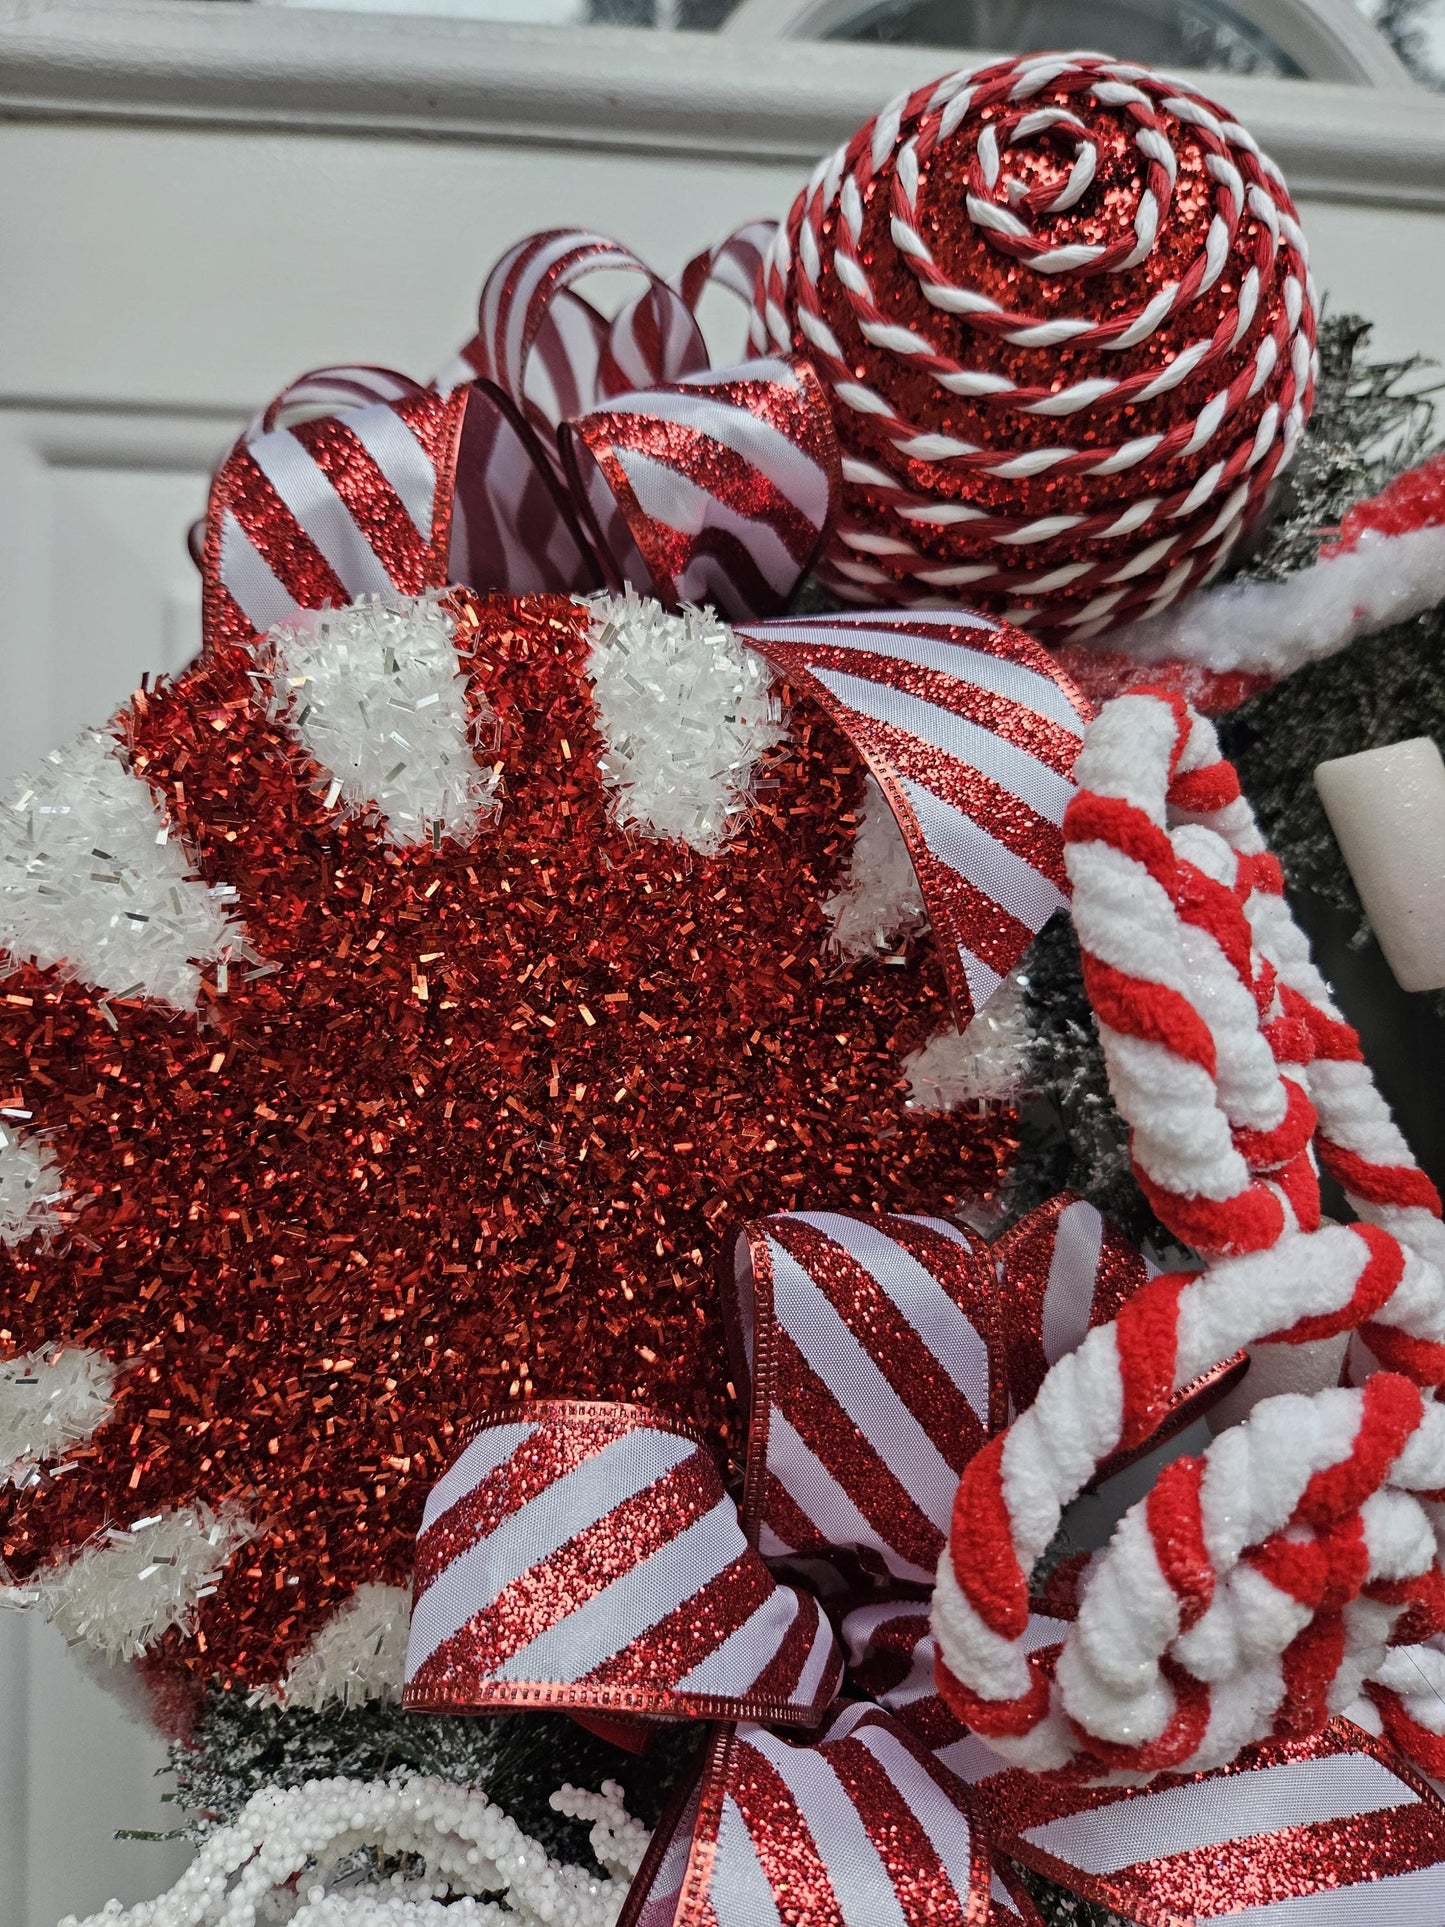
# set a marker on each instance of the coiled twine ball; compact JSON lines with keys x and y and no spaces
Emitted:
{"x":1062,"y":310}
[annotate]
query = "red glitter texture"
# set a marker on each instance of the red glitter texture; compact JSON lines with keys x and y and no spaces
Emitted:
{"x":481,"y":1131}
{"x":972,"y":257}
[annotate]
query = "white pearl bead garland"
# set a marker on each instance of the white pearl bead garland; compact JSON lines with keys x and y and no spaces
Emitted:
{"x":467,"y":1849}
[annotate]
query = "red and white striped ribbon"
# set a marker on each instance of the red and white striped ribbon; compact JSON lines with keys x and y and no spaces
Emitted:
{"x":857,"y":1826}
{"x":685,"y":482}
{"x":587,"y":1556}
{"x":972,"y":733}
{"x":865,"y":1349}
{"x":725,"y":482}
{"x":337,"y":506}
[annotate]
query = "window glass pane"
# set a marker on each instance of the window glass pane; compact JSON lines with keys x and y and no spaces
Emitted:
{"x":1161,"y":33}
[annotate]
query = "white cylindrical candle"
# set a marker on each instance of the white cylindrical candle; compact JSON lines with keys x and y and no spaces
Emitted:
{"x":1387,"y":810}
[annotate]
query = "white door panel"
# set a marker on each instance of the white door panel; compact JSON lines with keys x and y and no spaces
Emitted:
{"x":160,"y":281}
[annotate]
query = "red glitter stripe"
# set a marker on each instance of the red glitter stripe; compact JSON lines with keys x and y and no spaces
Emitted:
{"x":734,"y":481}
{"x":975,"y":921}
{"x":1008,"y":818}
{"x":886,"y":1335}
{"x":1038,"y":736}
{"x":370,"y":500}
{"x":555,"y":1587}
{"x":780,"y":1678}
{"x":1273,"y":1867}
{"x":781,"y":1511}
{"x":925,"y":1893}
{"x":273,"y":531}
{"x":675,"y":1644}
{"x":884,"y":1501}
{"x":786,"y":1850}
{"x":539,"y":1462}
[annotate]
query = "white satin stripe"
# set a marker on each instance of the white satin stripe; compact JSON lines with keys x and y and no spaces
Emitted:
{"x":486,"y":1452}
{"x":1182,"y":1819}
{"x":1043,"y":789}
{"x":860,"y":1389}
{"x":402,"y":460}
{"x":947,"y":1828}
{"x":733,"y":1666}
{"x":740,"y":1893}
{"x":965,"y":846}
{"x":997,"y":674}
{"x":945,"y":1329}
{"x":1073,"y":1269}
{"x":249,"y":579}
{"x":861,"y":1884}
{"x":806,"y":1480}
{"x":666,"y":495}
{"x":540,"y":1528}
{"x":634,"y":1603}
{"x":1400,"y":1900}
{"x":307,"y":490}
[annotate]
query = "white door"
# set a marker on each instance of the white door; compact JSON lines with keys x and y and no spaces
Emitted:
{"x":206,"y":199}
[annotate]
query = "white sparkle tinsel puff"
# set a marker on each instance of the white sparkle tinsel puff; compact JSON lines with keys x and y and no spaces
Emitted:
{"x":292,"y":1855}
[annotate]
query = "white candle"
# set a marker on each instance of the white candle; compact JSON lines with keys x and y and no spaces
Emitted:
{"x":1387,"y":810}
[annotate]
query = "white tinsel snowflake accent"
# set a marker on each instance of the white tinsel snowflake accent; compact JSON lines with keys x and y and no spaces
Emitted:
{"x":988,"y":1060}
{"x":358,"y":1655}
{"x":90,"y":880}
{"x":292,"y":1846}
{"x":132,"y":1584}
{"x":685,"y":711}
{"x":881,"y":901}
{"x":377,"y":695}
{"x":49,"y":1400}
{"x":31,"y":1189}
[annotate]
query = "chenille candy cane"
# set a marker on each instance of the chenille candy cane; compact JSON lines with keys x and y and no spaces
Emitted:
{"x":1257,"y":1588}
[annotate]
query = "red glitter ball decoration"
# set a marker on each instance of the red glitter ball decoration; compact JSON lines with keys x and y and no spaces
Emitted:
{"x":1064,"y":316}
{"x":478,"y":1127}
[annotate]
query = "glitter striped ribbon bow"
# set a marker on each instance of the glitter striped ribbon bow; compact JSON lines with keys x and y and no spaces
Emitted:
{"x":560,"y":451}
{"x":588,"y":1557}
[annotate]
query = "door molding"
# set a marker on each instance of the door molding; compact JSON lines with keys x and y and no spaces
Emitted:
{"x":210,"y":64}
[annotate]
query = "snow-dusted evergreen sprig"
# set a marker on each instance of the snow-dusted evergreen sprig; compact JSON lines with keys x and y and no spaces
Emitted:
{"x":376,"y":693}
{"x":50,"y":1400}
{"x":685,"y":711}
{"x":424,"y":1842}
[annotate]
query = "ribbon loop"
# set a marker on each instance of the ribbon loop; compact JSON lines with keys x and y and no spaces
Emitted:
{"x":867,"y":1355}
{"x":859,"y":1825}
{"x":587,"y":1557}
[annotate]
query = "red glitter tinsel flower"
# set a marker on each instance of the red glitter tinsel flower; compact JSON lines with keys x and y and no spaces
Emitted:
{"x":474,"y":1124}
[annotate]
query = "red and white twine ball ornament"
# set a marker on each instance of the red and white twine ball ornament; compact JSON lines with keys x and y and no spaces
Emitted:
{"x":1062,"y":310}
{"x":1262,"y":1587}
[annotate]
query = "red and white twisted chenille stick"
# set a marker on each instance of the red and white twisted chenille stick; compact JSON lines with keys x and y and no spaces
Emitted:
{"x":1259,"y":1588}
